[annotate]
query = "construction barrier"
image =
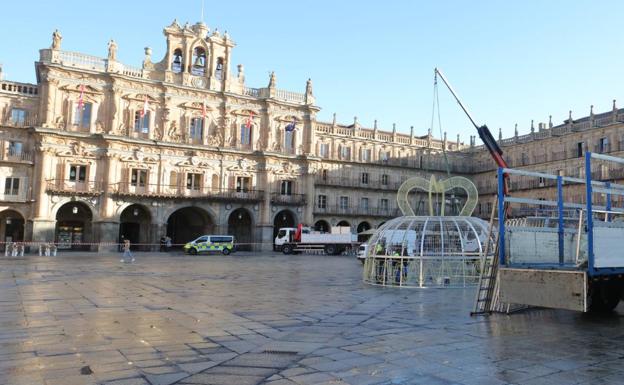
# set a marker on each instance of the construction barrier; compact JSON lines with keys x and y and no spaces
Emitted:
{"x":51,"y":249}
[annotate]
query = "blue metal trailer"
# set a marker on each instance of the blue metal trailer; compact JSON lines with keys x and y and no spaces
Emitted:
{"x":578,"y":264}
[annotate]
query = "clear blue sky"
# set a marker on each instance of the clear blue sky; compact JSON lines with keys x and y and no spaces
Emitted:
{"x":510,"y":61}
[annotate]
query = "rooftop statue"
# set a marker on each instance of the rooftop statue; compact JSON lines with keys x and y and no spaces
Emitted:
{"x":56,"y":40}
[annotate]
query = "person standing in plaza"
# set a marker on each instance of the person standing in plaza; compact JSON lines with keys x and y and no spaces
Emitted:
{"x":127,"y":254}
{"x":163,"y":243}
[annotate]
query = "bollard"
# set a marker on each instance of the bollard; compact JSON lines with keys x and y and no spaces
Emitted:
{"x":21,"y":250}
{"x":6,"y":249}
{"x":40,"y":247}
{"x":53,"y":250}
{"x":47,"y":250}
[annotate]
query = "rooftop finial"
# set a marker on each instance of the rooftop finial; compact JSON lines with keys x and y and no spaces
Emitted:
{"x":334,"y":119}
{"x":516,"y":130}
{"x":375,"y":124}
{"x":614,"y":106}
{"x":591,"y":109}
{"x":394,"y":128}
{"x":500,"y":133}
{"x":550,"y":123}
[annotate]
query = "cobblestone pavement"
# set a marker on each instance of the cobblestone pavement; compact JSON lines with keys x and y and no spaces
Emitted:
{"x":279,"y":320}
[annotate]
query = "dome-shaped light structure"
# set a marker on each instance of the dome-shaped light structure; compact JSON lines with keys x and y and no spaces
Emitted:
{"x":427,"y":251}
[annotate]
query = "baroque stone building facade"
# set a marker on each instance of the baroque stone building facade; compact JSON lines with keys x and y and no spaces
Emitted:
{"x":97,"y":150}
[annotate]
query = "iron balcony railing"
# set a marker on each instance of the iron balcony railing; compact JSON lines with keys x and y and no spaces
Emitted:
{"x":288,"y":200}
{"x":13,"y":155}
{"x":87,"y":187}
{"x":176,"y":191}
{"x":357,"y":211}
{"x":357,"y":183}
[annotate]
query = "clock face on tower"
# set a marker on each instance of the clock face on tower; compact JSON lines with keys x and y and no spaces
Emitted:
{"x":199,"y":82}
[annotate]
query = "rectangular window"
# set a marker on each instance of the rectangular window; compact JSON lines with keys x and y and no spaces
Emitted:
{"x":197,"y":128}
{"x":77,"y":173}
{"x":366,"y":154}
{"x":322,"y":201}
{"x":138,"y":177}
{"x":364,"y":203}
{"x":18,"y":116}
{"x":243,"y":183}
{"x":384,"y":179}
{"x":345,"y":153}
{"x":385,"y":155}
{"x":11,"y":186}
{"x":364,"y":178}
{"x":383,"y":204}
{"x":82,"y":117}
{"x":603,"y":145}
{"x":579,"y":149}
{"x":344,"y":203}
{"x":193,"y":181}
{"x":245,"y":135}
{"x":286,"y":187}
{"x":141,"y":123}
{"x":288,"y":140}
{"x":15,"y":148}
{"x":324,"y":150}
{"x":324,"y":174}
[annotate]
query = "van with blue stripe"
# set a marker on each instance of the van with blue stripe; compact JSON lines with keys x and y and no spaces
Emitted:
{"x":210,"y":243}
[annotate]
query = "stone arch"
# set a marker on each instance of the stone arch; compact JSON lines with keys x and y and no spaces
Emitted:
{"x":199,"y":61}
{"x":74,"y":226}
{"x":343,"y":223}
{"x":322,"y":225}
{"x":363,"y":226}
{"x":11,"y":226}
{"x":241,"y":225}
{"x":135,"y":224}
{"x":187,"y":223}
{"x":177,"y":61}
{"x":63,"y":201}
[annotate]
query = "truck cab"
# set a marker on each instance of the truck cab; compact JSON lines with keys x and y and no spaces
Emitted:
{"x":287,"y":235}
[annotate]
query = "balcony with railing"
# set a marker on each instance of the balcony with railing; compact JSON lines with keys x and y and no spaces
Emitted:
{"x":385,"y":212}
{"x":192,"y":192}
{"x":28,"y":121}
{"x":11,"y":194}
{"x":288,"y":200}
{"x":73,"y":187}
{"x":12,"y":155}
{"x":357,"y":183}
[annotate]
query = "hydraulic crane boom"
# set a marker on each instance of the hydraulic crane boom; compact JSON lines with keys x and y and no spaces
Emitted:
{"x":484,"y":132}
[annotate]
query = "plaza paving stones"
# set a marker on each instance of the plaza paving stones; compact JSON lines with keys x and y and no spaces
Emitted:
{"x":279,"y":320}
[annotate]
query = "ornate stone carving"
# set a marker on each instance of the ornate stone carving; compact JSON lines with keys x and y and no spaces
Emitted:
{"x":172,"y":133}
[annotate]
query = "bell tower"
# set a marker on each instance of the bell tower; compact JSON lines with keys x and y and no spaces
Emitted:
{"x":195,"y":57}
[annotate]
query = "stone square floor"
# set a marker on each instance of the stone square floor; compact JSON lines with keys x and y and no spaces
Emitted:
{"x":86,"y":318}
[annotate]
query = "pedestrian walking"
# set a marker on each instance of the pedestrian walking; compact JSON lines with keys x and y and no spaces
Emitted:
{"x":127,"y":254}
